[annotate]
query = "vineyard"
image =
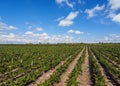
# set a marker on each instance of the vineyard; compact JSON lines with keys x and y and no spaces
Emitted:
{"x":60,"y":65}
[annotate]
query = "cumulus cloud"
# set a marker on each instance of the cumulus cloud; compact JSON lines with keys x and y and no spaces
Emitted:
{"x":113,"y":7}
{"x":8,"y":36}
{"x":70,"y":31}
{"x":68,"y":21}
{"x":92,"y":12}
{"x":116,"y":18}
{"x":114,"y":4}
{"x":61,"y":2}
{"x":4,"y":26}
{"x":28,"y":33}
{"x":27,"y":37}
{"x":31,"y":37}
{"x":35,"y":34}
{"x":58,"y":19}
{"x":39,"y":29}
{"x":75,"y":31}
{"x":112,"y":38}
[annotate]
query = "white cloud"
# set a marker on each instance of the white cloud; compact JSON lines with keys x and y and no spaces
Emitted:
{"x":58,"y":19}
{"x":116,"y":18}
{"x":64,"y":1}
{"x":39,"y":29}
{"x":69,"y":19}
{"x":70,"y":31}
{"x":112,"y":38}
{"x":72,"y":15}
{"x":65,"y":23}
{"x":4,"y":26}
{"x":75,"y":32}
{"x":31,"y":37}
{"x":11,"y":35}
{"x":12,"y":27}
{"x":112,"y":10}
{"x":8,"y":36}
{"x":114,"y":4}
{"x":92,"y":12}
{"x":78,"y":32}
{"x":29,"y":33}
{"x":61,"y":39}
{"x":27,"y":37}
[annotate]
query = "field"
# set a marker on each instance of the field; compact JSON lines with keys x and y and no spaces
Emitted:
{"x":60,"y":65}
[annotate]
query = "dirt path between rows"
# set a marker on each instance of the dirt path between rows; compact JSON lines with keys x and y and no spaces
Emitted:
{"x":65,"y":75}
{"x":4,"y":74}
{"x":47,"y":75}
{"x":108,"y":82}
{"x":112,"y":61}
{"x":84,"y":79}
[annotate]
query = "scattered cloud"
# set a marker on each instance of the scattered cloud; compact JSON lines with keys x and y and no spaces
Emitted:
{"x":75,"y":32}
{"x":92,"y":12}
{"x":70,"y":31}
{"x":116,"y":18}
{"x":61,"y":2}
{"x":114,"y":4}
{"x":29,"y":33}
{"x":68,"y":21}
{"x":78,"y":32}
{"x":61,"y":39}
{"x":58,"y":19}
{"x":113,"y":7}
{"x":39,"y":29}
{"x":34,"y":28}
{"x":112,"y":38}
{"x":31,"y":37}
{"x":8,"y":36}
{"x":4,"y":26}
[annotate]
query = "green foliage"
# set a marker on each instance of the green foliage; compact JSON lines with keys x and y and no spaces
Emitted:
{"x":72,"y":81}
{"x":22,"y":64}
{"x":55,"y":77}
{"x":98,"y":78}
{"x":109,"y":67}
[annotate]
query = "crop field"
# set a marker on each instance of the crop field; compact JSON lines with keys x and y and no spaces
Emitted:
{"x":60,"y":65}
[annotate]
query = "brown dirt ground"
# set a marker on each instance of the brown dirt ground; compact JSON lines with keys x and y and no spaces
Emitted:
{"x":65,"y":75}
{"x":107,"y":81}
{"x":84,"y":79}
{"x":47,"y":75}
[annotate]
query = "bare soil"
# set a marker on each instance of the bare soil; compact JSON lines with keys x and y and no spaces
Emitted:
{"x":113,"y":62}
{"x":65,"y":75}
{"x":47,"y":75}
{"x":108,"y":82}
{"x":84,"y":79}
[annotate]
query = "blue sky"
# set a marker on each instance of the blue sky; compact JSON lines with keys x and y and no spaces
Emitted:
{"x":59,"y":21}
